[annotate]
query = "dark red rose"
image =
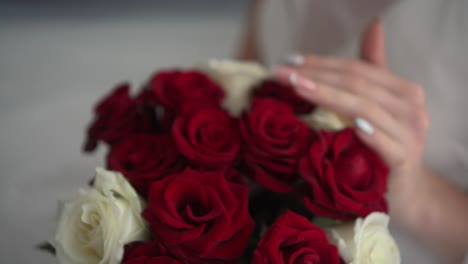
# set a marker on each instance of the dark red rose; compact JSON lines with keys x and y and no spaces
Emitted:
{"x":147,"y":253}
{"x":177,"y":89}
{"x":208,"y":137}
{"x":146,"y":97}
{"x":345,"y":179}
{"x":285,"y":93}
{"x":274,"y":141}
{"x":293,"y":239}
{"x":118,"y":116}
{"x":200,"y":217}
{"x":143,"y":159}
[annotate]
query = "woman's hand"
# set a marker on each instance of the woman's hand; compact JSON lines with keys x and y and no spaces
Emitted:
{"x":389,"y":110}
{"x":391,"y":119}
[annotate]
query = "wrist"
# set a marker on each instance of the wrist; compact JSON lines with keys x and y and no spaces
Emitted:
{"x":438,"y":216}
{"x":431,"y":209}
{"x":425,"y":209}
{"x":411,"y":202}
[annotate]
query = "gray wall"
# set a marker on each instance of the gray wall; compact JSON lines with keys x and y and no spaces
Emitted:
{"x":120,"y":8}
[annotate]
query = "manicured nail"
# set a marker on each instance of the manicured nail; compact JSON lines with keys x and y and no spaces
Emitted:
{"x":364,"y":126}
{"x":293,"y":78}
{"x":282,"y":73}
{"x":295,"y":59}
{"x":303,"y":83}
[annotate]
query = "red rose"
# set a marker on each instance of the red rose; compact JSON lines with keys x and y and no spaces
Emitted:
{"x":144,"y":159}
{"x":284,"y":93}
{"x":147,"y":253}
{"x":293,"y":239}
{"x":274,"y":142}
{"x":207,"y":137}
{"x":176,"y":89}
{"x":147,"y":98}
{"x":117,"y":116}
{"x":344,"y":178}
{"x":200,"y":216}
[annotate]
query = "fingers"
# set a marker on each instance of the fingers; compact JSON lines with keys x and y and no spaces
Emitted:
{"x":388,"y":135}
{"x":390,"y":151}
{"x":373,"y":44}
{"x":345,"y":102}
{"x":380,"y":77}
{"x":400,"y":107}
{"x":403,"y":109}
{"x":359,"y":86}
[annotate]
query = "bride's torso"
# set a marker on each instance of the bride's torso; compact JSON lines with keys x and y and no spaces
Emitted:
{"x":426,"y":43}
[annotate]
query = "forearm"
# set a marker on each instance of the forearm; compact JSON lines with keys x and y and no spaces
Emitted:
{"x":439,"y":217}
{"x":248,"y":48}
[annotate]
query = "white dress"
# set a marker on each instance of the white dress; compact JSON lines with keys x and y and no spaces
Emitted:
{"x":427,"y":42}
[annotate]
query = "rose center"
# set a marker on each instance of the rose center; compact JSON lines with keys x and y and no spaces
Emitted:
{"x":213,"y":135}
{"x":300,"y":254}
{"x":279,"y":129}
{"x":353,"y":169}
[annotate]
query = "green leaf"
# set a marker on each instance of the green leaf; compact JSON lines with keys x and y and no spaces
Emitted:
{"x":47,"y":247}
{"x":324,"y":222}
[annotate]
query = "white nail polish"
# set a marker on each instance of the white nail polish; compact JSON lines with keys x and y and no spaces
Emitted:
{"x":295,"y":59}
{"x":293,"y":79}
{"x":365,"y":126}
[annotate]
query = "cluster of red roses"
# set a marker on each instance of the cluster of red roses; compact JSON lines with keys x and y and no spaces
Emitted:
{"x":189,"y":159}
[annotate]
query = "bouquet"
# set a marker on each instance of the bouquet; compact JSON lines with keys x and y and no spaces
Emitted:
{"x":221,"y":163}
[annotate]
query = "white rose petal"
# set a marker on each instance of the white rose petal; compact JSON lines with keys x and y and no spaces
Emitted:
{"x":322,"y":118}
{"x":95,"y":225}
{"x":366,"y":241}
{"x":237,"y":79}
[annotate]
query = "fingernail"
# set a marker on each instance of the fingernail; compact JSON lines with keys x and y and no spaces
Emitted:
{"x":364,"y":126}
{"x":303,"y":83}
{"x":282,"y":72}
{"x":295,"y":79}
{"x":295,"y":59}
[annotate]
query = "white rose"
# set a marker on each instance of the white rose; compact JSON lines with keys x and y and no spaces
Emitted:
{"x":366,"y":241}
{"x":237,"y":79}
{"x":325,"y":119}
{"x":95,"y":225}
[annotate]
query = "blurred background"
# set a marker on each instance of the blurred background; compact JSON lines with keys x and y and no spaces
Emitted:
{"x":57,"y":58}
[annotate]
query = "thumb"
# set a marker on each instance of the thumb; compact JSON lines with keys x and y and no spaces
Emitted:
{"x":373,"y":44}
